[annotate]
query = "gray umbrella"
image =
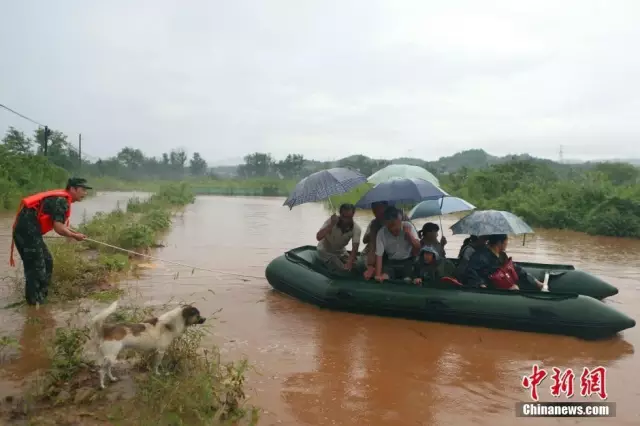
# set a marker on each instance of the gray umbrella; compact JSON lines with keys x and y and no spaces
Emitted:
{"x":491,"y":222}
{"x":323,"y":184}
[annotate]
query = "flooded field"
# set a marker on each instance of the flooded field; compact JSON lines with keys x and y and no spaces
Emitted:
{"x":315,"y":367}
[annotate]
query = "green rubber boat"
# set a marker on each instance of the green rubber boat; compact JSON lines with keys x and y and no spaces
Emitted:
{"x":568,"y":279}
{"x":559,"y":311}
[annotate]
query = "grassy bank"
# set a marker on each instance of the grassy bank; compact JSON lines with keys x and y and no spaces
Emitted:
{"x":197,"y":389}
{"x":205,"y":186}
{"x":91,"y":269}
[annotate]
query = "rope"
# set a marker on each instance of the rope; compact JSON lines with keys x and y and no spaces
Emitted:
{"x":215,"y":271}
{"x":171,"y":261}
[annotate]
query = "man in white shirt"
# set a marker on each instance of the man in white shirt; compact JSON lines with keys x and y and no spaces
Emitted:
{"x":333,"y":237}
{"x":398,"y":240}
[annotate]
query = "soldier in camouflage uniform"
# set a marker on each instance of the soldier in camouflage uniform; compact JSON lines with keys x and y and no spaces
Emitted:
{"x":49,"y":211}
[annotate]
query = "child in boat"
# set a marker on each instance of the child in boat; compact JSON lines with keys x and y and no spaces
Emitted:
{"x":429,"y":237}
{"x":431,"y":267}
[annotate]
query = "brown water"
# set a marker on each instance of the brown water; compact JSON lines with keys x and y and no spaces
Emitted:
{"x":317,"y":367}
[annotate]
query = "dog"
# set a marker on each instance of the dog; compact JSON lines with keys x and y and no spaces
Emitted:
{"x":152,"y":334}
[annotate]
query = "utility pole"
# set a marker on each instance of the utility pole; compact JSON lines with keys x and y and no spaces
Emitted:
{"x":79,"y":151}
{"x":560,"y":155}
{"x":46,"y":137}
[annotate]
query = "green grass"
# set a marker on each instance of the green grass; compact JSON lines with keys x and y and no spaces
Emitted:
{"x":196,"y":387}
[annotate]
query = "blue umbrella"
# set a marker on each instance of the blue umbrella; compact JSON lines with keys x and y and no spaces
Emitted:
{"x":491,"y":222}
{"x":408,"y":190}
{"x":323,"y":184}
{"x":440,"y":207}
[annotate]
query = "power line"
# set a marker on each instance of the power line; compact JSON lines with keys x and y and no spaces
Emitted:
{"x":22,"y":115}
{"x":65,"y":143}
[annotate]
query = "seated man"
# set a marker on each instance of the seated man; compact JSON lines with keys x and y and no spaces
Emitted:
{"x":487,"y":267}
{"x":429,"y":237}
{"x":333,"y":237}
{"x":431,"y":268}
{"x":369,"y":238}
{"x":399,"y":242}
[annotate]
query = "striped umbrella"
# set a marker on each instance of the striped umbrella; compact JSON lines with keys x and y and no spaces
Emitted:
{"x":323,"y":184}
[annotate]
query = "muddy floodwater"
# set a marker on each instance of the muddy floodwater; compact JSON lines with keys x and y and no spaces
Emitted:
{"x":315,"y":367}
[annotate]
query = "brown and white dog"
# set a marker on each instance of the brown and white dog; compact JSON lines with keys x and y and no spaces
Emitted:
{"x":152,"y":334}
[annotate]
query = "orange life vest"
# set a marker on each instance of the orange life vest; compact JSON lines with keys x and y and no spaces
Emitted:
{"x":46,"y":221}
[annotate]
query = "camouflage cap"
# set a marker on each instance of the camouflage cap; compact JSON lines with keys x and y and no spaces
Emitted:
{"x":76,"y":182}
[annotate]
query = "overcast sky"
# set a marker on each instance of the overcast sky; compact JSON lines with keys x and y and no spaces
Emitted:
{"x":327,"y":78}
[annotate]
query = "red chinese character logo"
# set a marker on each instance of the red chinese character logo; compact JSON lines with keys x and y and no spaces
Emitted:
{"x":562,"y":382}
{"x":534,"y":380}
{"x":594,"y":381}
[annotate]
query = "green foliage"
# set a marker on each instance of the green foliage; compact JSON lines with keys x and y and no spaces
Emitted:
{"x":157,"y":220}
{"x":175,"y":194}
{"x":135,"y":236}
{"x":201,"y":390}
{"x":21,"y":174}
{"x":67,"y":354}
{"x":74,"y":275}
{"x":602,"y":201}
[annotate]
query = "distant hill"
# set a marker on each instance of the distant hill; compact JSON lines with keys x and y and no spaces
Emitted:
{"x":471,"y":159}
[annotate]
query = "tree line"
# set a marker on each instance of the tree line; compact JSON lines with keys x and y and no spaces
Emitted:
{"x":602,"y":200}
{"x":129,"y":164}
{"x":296,"y":166}
{"x":598,"y":198}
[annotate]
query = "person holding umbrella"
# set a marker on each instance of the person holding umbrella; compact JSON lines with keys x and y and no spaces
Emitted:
{"x":369,"y":238}
{"x":429,"y":237}
{"x":490,"y":267}
{"x":333,"y":237}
